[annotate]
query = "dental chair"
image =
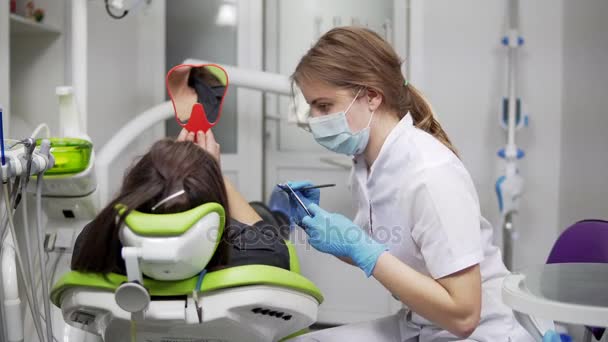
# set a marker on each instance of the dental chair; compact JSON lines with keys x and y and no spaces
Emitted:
{"x":168,"y":296}
{"x":584,"y":242}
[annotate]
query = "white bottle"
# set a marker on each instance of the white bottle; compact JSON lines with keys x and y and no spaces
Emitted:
{"x":70,"y":122}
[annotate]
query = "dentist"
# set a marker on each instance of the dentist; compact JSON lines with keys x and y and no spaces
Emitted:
{"x":418,"y":228}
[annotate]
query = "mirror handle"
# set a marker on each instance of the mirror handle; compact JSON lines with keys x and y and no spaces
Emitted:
{"x":198,"y":120}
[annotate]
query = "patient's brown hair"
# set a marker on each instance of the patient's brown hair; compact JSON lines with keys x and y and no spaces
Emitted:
{"x":167,"y":168}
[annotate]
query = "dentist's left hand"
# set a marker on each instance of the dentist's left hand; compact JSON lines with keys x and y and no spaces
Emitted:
{"x":307,"y":196}
{"x":206,"y":141}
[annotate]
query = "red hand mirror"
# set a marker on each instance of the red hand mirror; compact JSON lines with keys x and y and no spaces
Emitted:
{"x":197,"y":93}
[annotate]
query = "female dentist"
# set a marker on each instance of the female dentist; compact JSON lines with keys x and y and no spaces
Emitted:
{"x":418,"y":229}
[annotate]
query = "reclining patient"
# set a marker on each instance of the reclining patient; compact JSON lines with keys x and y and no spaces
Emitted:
{"x":176,"y":176}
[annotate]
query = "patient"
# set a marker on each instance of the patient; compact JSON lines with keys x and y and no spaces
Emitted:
{"x":165,"y":170}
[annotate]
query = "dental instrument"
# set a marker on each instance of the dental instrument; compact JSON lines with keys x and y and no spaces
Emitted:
{"x":10,"y":306}
{"x":318,"y":186}
{"x":38,"y":129}
{"x":45,"y":148}
{"x":291,"y":192}
{"x":21,"y":160}
{"x":72,"y":156}
{"x":65,"y":198}
{"x":29,"y":148}
{"x":285,"y":187}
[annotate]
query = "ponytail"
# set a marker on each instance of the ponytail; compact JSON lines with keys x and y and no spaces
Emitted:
{"x":415,"y":103}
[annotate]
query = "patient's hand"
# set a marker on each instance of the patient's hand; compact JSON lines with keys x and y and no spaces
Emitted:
{"x":205,"y":141}
{"x":240,"y":209}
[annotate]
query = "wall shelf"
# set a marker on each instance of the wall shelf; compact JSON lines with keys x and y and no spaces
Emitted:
{"x":34,"y":60}
{"x":21,"y":25}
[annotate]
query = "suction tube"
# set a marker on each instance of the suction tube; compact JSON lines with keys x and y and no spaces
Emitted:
{"x":11,"y":302}
{"x":44,"y":150}
{"x":26,"y":229}
{"x":28,"y":290}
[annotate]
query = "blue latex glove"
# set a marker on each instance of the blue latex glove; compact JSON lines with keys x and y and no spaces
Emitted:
{"x":307,"y":196}
{"x":280,"y":202}
{"x":337,"y":235}
{"x":551,"y":336}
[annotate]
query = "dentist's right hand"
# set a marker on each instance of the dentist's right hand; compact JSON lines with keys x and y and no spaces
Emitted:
{"x":337,"y":235}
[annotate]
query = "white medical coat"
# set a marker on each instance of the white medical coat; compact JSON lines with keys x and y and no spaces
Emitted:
{"x":419,"y":200}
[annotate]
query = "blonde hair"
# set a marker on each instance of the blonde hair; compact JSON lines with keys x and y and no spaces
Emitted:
{"x":354,"y":57}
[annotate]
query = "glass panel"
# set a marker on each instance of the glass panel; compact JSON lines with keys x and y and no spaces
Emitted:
{"x":205,"y":30}
{"x":300,"y":24}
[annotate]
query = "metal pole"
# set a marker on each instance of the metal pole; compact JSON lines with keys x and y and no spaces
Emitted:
{"x":507,"y":237}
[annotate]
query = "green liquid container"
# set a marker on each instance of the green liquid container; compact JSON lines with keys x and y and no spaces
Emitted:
{"x":72,"y":155}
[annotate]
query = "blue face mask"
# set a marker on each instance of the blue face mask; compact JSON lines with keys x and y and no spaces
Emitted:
{"x":332,"y":132}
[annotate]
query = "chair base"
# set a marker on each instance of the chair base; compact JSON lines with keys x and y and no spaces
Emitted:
{"x":247,"y":313}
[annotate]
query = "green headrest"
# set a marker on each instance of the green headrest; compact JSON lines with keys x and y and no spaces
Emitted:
{"x":170,"y":224}
{"x":217,"y":280}
{"x":218,"y":73}
{"x":294,"y":262}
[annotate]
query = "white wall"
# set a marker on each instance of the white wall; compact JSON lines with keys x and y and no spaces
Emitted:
{"x":584,"y":162}
{"x":37,"y":68}
{"x":192,"y":33}
{"x":123,"y":80}
{"x":126,"y":75}
{"x":297,"y":34}
{"x":460,"y":65}
{"x":4,"y":60}
{"x":4,"y":91}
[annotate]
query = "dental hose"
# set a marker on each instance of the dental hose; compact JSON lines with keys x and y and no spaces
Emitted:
{"x":8,"y":222}
{"x":13,"y":207}
{"x":3,"y":323}
{"x":26,"y":227}
{"x":28,"y":250}
{"x":3,"y":231}
{"x":45,"y":284}
{"x":28,"y":290}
